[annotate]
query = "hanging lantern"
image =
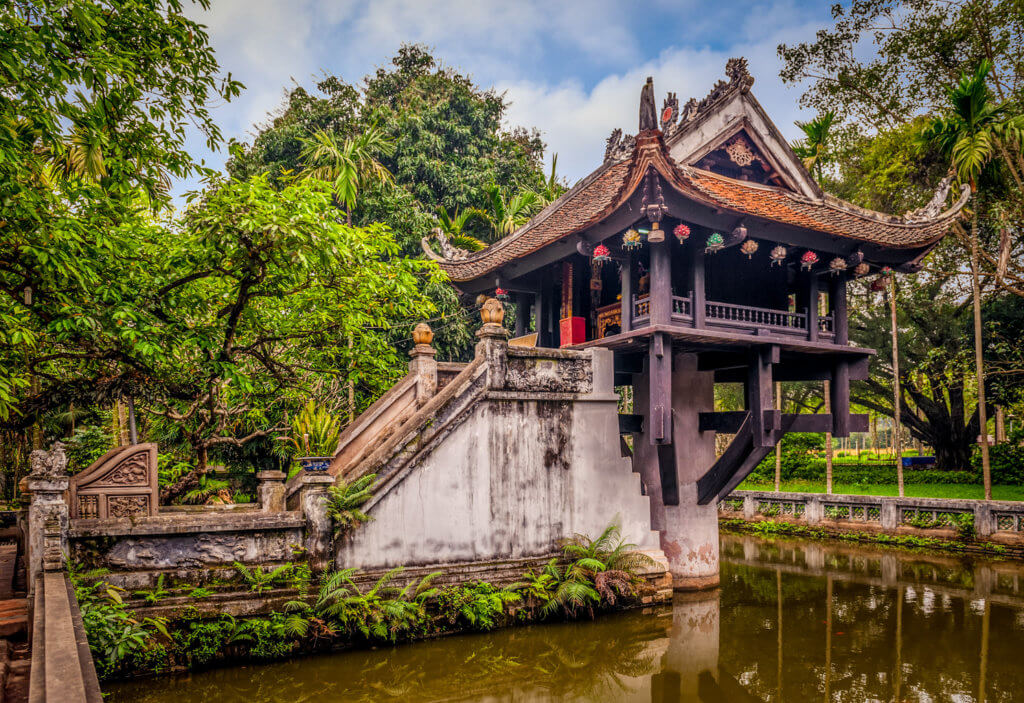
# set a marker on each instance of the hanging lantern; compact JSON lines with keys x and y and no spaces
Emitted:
{"x":501,"y":294}
{"x":749,"y":247}
{"x":631,"y":240}
{"x":837,"y":264}
{"x":682,"y":232}
{"x":601,"y":254}
{"x":715,"y":243}
{"x":808,"y":260}
{"x":862,"y":269}
{"x":886,"y":270}
{"x":778,"y":255}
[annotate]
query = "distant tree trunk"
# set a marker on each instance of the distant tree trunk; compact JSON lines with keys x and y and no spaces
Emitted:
{"x":979,"y":368}
{"x":1000,"y":425}
{"x":874,"y":433}
{"x":895,"y":385}
{"x":778,"y":445}
{"x":828,"y":441}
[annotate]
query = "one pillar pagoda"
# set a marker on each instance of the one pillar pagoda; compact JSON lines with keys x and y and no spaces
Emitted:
{"x":702,"y":251}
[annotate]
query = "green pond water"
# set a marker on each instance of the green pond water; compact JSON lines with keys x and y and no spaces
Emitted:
{"x":792,"y":621}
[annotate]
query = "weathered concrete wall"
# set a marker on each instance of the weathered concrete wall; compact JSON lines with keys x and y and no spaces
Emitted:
{"x":533,"y":461}
{"x":187,"y":547}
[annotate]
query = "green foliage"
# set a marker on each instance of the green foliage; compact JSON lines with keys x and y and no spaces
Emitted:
{"x":477,"y":606}
{"x":314,"y":431}
{"x":1006,"y":461}
{"x":259,"y":580}
{"x":116,"y":637}
{"x":344,"y":500}
{"x":96,"y":97}
{"x":86,"y":445}
{"x":156,"y":594}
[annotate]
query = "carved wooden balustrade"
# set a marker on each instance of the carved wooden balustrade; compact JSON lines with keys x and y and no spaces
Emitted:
{"x":121,"y":483}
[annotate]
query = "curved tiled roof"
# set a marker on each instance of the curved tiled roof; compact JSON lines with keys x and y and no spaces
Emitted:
{"x":606,"y":189}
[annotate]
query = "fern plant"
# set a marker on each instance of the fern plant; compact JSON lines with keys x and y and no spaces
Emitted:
{"x":315,"y":431}
{"x":155,"y":595}
{"x":259,"y":580}
{"x":344,"y":502}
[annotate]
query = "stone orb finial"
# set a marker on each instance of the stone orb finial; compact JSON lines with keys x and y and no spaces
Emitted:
{"x":492,"y":312}
{"x":422,"y":334}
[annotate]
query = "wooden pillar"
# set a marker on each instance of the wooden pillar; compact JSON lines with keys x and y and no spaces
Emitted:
{"x":697,"y":292}
{"x":659,"y":359}
{"x":543,"y":313}
{"x":626,"y":292}
{"x":839,"y":397}
{"x":840,"y":310}
{"x":812,"y":307}
{"x":759,"y":392}
{"x":661,"y":283}
{"x":522,"y":313}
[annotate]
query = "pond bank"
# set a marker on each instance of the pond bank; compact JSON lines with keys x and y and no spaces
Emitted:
{"x":988,"y":527}
{"x":792,"y":621}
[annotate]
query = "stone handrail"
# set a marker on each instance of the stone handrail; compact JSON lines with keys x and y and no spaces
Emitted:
{"x":373,"y":424}
{"x":62,"y":665}
{"x":882,"y":512}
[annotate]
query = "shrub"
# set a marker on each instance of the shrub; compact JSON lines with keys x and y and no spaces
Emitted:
{"x":1007,"y":462}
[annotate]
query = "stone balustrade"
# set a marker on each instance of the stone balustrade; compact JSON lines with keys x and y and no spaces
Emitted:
{"x":1001,"y":520}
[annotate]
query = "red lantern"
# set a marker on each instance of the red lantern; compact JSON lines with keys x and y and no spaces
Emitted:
{"x":501,"y":294}
{"x":682,"y":232}
{"x":601,"y":254}
{"x":808,"y":260}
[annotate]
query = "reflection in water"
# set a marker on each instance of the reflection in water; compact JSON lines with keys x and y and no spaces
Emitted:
{"x":793,"y":621}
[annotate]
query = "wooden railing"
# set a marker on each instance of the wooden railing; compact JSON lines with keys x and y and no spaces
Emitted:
{"x":641,"y":309}
{"x":682,"y":308}
{"x":745,"y":316}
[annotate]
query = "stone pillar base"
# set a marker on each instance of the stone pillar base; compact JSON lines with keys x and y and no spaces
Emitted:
{"x":689,"y":584}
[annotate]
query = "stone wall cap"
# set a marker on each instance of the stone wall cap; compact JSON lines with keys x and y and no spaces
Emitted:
{"x":271,"y":475}
{"x":187,"y":523}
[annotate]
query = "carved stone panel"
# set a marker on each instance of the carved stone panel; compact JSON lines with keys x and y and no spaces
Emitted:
{"x":122,"y":483}
{"x":533,"y":374}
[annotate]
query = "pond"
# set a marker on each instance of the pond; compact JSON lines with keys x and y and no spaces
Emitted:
{"x":793,"y":621}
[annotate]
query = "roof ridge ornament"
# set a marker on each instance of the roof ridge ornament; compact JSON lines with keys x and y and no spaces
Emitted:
{"x":648,"y":111}
{"x":934,"y":206}
{"x":739,"y":79}
{"x":449,"y":252}
{"x":618,"y":147}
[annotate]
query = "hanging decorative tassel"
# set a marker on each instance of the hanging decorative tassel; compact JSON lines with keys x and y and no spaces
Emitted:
{"x":631,"y":240}
{"x":715,"y":243}
{"x":501,"y":294}
{"x":837,"y":264}
{"x":682,"y":232}
{"x":778,"y":255}
{"x":808,"y":260}
{"x":601,"y":254}
{"x":749,"y":247}
{"x":862,"y":269}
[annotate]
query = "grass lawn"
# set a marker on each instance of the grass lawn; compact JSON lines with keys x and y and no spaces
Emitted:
{"x":917,"y":490}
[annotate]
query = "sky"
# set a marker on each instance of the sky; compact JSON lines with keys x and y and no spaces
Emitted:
{"x":571,"y":68}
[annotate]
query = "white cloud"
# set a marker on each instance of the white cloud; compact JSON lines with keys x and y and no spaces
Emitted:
{"x":515,"y":46}
{"x":575,"y":122}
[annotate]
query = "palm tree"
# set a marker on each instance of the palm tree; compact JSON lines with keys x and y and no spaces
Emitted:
{"x":552,"y":188}
{"x":348,"y":164}
{"x":812,"y":148}
{"x":506,"y":213}
{"x":969,"y":134}
{"x":454,"y":226}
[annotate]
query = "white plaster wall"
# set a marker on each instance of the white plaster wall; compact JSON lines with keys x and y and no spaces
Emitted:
{"x":511,"y":481}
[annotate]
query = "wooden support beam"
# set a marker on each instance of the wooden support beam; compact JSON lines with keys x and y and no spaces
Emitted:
{"x":628,"y":424}
{"x":669,"y":475}
{"x":661,"y":283}
{"x":804,"y":369}
{"x":812,"y":308}
{"x":840,"y":399}
{"x":659,"y":365}
{"x":759,"y":392}
{"x":696,"y":278}
{"x":840,"y":312}
{"x":522,"y":313}
{"x":626,"y":293}
{"x":730,"y":422}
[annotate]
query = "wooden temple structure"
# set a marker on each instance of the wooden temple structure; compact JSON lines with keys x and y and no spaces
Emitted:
{"x":702,"y":251}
